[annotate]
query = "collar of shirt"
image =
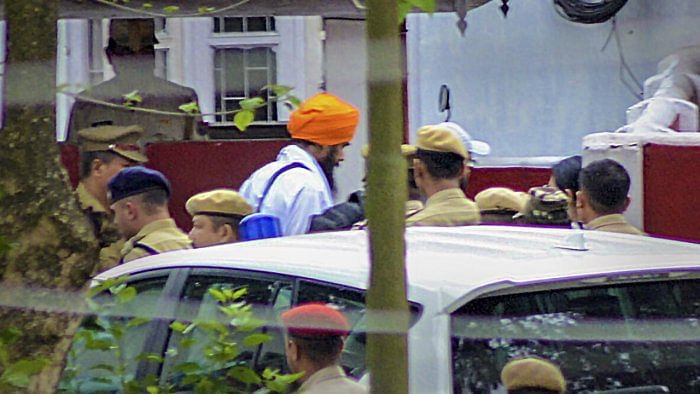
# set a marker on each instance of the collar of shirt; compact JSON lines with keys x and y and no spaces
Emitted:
{"x":328,"y":373}
{"x":445,"y":195}
{"x":88,"y":201}
{"x":293,"y":153}
{"x":151,"y":227}
{"x":606,"y":220}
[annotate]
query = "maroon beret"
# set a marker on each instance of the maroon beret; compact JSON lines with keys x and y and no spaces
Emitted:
{"x":315,"y":319}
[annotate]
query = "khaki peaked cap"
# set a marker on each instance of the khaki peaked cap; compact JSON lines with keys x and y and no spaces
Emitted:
{"x":499,"y":198}
{"x":122,"y":140}
{"x":532,"y":372}
{"x":437,"y":138}
{"x":219,"y":202}
{"x":407,"y":151}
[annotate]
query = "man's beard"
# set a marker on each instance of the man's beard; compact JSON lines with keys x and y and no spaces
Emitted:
{"x":328,"y":164}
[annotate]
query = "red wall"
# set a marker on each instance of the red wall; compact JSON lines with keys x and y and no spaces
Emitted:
{"x":517,"y":178}
{"x":194,"y":167}
{"x":671,"y":185}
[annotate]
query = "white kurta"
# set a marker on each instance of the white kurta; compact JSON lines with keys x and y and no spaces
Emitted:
{"x":295,"y":196}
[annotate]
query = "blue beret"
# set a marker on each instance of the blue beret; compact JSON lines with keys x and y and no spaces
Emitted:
{"x":136,"y":180}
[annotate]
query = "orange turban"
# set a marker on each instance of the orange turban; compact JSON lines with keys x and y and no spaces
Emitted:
{"x":324,"y":119}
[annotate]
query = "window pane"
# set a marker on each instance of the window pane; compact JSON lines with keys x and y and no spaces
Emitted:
{"x":271,"y":21}
{"x":233,"y":25}
{"x":130,"y":343}
{"x":628,"y":359}
{"x":234,"y":72}
{"x":217,"y":25}
{"x":257,"y":57}
{"x":257,"y":23}
{"x":199,"y":304}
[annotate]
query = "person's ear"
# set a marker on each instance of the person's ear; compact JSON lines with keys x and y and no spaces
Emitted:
{"x":131,"y":209}
{"x":226,"y":232}
{"x":418,"y":169}
{"x":581,"y":199}
{"x":292,"y":350}
{"x":96,"y":167}
{"x":628,"y":201}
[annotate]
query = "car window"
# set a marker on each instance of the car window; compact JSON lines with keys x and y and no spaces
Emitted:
{"x":92,"y":363}
{"x":603,"y":338}
{"x":197,"y":304}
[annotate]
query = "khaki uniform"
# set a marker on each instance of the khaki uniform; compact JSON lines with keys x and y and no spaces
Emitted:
{"x":614,"y":223}
{"x":412,"y":207}
{"x":156,"y":93}
{"x":107,"y":234}
{"x":446,"y":208}
{"x":154,"y":238}
{"x":331,"y":380}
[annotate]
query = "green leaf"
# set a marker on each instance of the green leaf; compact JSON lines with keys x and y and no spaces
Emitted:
{"x":18,"y":374}
{"x":104,"y":367}
{"x":5,"y":246}
{"x":191,"y":379}
{"x":132,"y":98}
{"x":188,"y":368}
{"x":187,"y":343}
{"x":137,"y":321}
{"x":99,"y":344}
{"x":244,"y":374}
{"x":278,"y":90}
{"x":150,"y":357}
{"x":152,"y":390}
{"x":256,"y":339}
{"x":117,"y":288}
{"x":190,"y":108}
{"x":147,"y":6}
{"x":243,"y":119}
{"x":126,"y":295}
{"x":178,"y":326}
{"x":289,"y":378}
{"x":404,"y":8}
{"x":295,"y":101}
{"x":239,"y":293}
{"x":424,"y":5}
{"x":217,"y":294}
{"x":205,"y":10}
{"x":171,"y":9}
{"x":252,"y":103}
{"x":172,"y":352}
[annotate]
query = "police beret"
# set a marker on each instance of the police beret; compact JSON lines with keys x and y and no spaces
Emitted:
{"x":500,"y":198}
{"x":316,"y":320}
{"x":533,"y":373}
{"x":438,"y":138}
{"x":219,"y":202}
{"x":136,"y":180}
{"x":122,"y":140}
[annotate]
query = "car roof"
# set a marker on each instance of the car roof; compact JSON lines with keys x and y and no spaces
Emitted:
{"x":458,"y":263}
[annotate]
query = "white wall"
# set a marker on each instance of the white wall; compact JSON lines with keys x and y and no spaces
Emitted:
{"x":534,"y":83}
{"x":346,"y":77}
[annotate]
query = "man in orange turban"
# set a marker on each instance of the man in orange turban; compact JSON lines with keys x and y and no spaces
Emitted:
{"x":299,"y":183}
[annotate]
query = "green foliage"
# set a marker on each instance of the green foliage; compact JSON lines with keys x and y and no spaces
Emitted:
{"x":171,"y":9}
{"x":16,"y":374}
{"x":132,"y":98}
{"x":243,"y":118}
{"x":405,"y":6}
{"x":189,"y":108}
{"x":219,"y":349}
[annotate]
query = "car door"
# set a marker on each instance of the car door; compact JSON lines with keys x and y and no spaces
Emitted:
{"x":196,"y":303}
{"x":102,"y":357}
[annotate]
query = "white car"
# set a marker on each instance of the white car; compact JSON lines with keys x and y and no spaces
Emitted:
{"x":614,"y":311}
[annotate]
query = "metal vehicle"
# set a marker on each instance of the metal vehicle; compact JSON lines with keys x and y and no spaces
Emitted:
{"x":619,"y":311}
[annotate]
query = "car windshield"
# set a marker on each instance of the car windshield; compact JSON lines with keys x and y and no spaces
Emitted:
{"x":603,"y":337}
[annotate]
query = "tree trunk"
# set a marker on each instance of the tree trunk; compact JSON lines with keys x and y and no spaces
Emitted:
{"x":386,"y":202}
{"x":51,"y":244}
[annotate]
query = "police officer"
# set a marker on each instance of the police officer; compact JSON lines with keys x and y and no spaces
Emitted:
{"x":139,"y":198}
{"x":532,"y":375}
{"x":501,"y":204}
{"x":602,"y":198}
{"x":315,"y":334}
{"x":440,"y":167}
{"x":104,"y":151}
{"x":131,"y":52}
{"x":216,"y":215}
